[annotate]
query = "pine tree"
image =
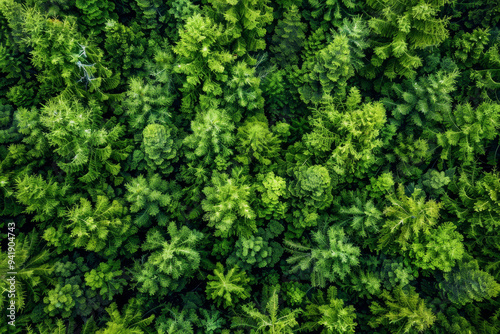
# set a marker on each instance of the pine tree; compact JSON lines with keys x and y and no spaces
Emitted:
{"x":274,"y":322}
{"x":87,"y":146}
{"x":403,"y":312}
{"x":129,"y":320}
{"x":244,"y":23}
{"x":171,"y":262}
{"x":227,"y":288}
{"x":103,"y":225}
{"x":408,"y":217}
{"x":467,"y":283}
{"x":440,"y":249}
{"x":227,"y":205}
{"x":329,"y":315}
{"x":330,"y":258}
{"x":212,"y":136}
{"x":150,"y":196}
{"x":401,"y":28}
{"x":202,"y":58}
{"x":288,"y":38}
{"x":256,"y":141}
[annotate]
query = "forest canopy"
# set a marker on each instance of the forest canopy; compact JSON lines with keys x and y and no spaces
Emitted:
{"x":249,"y":166}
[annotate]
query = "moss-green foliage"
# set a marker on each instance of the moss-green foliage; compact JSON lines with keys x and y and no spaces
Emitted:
{"x":250,"y":166}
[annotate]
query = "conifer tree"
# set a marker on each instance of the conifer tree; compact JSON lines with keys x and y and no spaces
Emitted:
{"x":87,"y":145}
{"x":274,"y":321}
{"x":288,"y":38}
{"x":171,"y":262}
{"x":330,"y":258}
{"x":227,"y":204}
{"x":244,"y":23}
{"x":401,"y":28}
{"x":329,"y":315}
{"x":212,"y":136}
{"x":202,"y":58}
{"x":227,"y":288}
{"x":467,"y":283}
{"x":408,"y":217}
{"x":404,"y":312}
{"x":347,"y":135}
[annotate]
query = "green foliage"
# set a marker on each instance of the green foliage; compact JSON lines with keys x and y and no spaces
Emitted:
{"x":255,"y":251}
{"x":62,"y":300}
{"x":129,"y":320}
{"x":202,"y":59}
{"x":227,"y":205}
{"x":331,"y":257}
{"x":170,"y":262}
{"x":146,"y":103}
{"x":408,"y":217}
{"x":402,"y":27}
{"x":41,"y":197}
{"x":360,"y":216}
{"x":440,"y":249}
{"x":327,"y":72}
{"x":159,"y":147}
{"x":469,"y":132}
{"x":243,"y":22}
{"x":288,"y":38}
{"x":95,"y":12}
{"x":32,"y":268}
{"x":403,"y":312}
{"x":104,"y":226}
{"x":86,"y":145}
{"x":212,"y":136}
{"x":149,"y":197}
{"x":347,"y":134}
{"x":329,"y":315}
{"x":227,"y":288}
{"x":274,"y":321}
{"x":107,"y":278}
{"x":467,"y":283}
{"x":273,"y":188}
{"x":256,"y":141}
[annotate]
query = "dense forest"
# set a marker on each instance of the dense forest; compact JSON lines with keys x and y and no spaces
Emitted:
{"x":249,"y":166}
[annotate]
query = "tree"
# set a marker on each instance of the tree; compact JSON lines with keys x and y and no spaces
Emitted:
{"x":171,"y":261}
{"x":274,"y":322}
{"x":212,"y":136}
{"x":346,"y":134}
{"x":85,"y":144}
{"x":327,"y":72}
{"x":331,"y":257}
{"x":32,"y":269}
{"x":407,"y":218}
{"x":401,"y":28}
{"x":244,"y":23}
{"x":150,"y":196}
{"x":440,"y":249}
{"x":202,"y":58}
{"x":403,"y":312}
{"x":467,"y":283}
{"x":469,"y":132}
{"x":288,"y":38}
{"x":42,"y":197}
{"x":107,"y":278}
{"x":229,"y":288}
{"x":255,"y":140}
{"x":243,"y":90}
{"x":104,"y":226}
{"x":329,"y":315}
{"x":274,"y":191}
{"x":227,"y":205}
{"x":159,"y":148}
{"x":130,"y":320}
